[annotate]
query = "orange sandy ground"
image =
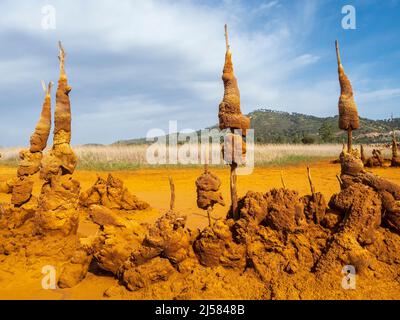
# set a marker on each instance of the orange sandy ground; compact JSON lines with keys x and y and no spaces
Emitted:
{"x":151,"y":185}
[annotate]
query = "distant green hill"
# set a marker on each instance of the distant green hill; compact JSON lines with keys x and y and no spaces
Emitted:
{"x":282,"y":127}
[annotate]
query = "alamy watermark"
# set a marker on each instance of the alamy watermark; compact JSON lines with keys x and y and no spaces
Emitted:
{"x":49,"y":281}
{"x":48,"y":21}
{"x":349,"y":278}
{"x":349,"y":21}
{"x":211,"y":146}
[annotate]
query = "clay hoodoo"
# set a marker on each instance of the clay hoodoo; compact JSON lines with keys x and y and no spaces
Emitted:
{"x":230,"y":115}
{"x":61,"y":159}
{"x":348,"y":115}
{"x":207,"y":186}
{"x":231,"y":118}
{"x":44,"y":227}
{"x":111,"y":194}
{"x":42,"y":131}
{"x":367,"y":203}
{"x":58,"y":201}
{"x":165,"y":249}
{"x":362,"y":155}
{"x":395,"y":155}
{"x":139,"y":255}
{"x":23,"y":203}
{"x":376,"y":160}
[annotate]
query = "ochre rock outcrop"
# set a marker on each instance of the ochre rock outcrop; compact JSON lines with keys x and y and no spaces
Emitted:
{"x":41,"y":134}
{"x":144,"y":275}
{"x":348,"y":115}
{"x":168,"y":238}
{"x":277,"y":234}
{"x":59,"y":198}
{"x":215,"y":246}
{"x":351,"y":162}
{"x":115,"y":244}
{"x":117,"y":238}
{"x":279,"y":209}
{"x":207,"y":186}
{"x":23,"y":203}
{"x":230,"y":115}
{"x":376,"y":160}
{"x":58,"y":206}
{"x":138,"y":255}
{"x":30,"y":159}
{"x":61,"y":159}
{"x":395,"y":162}
{"x":367,"y":203}
{"x":77,"y":268}
{"x":112,"y":194}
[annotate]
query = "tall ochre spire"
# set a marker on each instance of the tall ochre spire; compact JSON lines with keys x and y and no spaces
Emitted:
{"x":348,"y":114}
{"x":231,"y":89}
{"x":62,"y":117}
{"x":38,"y":141}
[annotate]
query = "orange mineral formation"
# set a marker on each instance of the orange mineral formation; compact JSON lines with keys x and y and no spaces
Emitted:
{"x":230,"y":115}
{"x":23,"y":203}
{"x":395,"y":155}
{"x":61,"y":159}
{"x":42,"y":131}
{"x":207,"y":186}
{"x":348,"y":115}
{"x":231,"y":118}
{"x":59,"y":198}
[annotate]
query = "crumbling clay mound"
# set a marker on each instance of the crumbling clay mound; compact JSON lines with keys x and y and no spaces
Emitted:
{"x":111,"y":194}
{"x":207,"y":186}
{"x":279,"y":234}
{"x":45,"y":226}
{"x":395,"y":162}
{"x":118,"y":235}
{"x":215,"y":247}
{"x":136,"y":254}
{"x":368,"y":204}
{"x":376,"y":160}
{"x":58,"y":206}
{"x":280,"y":239}
{"x":166,"y":249}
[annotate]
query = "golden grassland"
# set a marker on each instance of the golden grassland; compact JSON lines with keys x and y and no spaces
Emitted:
{"x":117,"y":157}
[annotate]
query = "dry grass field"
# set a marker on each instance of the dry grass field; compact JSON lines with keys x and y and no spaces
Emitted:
{"x":115,"y":157}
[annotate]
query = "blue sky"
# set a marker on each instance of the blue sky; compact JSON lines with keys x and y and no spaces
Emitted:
{"x":135,"y":65}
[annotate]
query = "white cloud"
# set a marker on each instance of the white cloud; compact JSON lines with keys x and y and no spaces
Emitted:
{"x":135,"y":64}
{"x":379,"y":95}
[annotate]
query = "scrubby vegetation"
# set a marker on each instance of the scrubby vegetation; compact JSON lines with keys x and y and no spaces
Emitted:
{"x":283,"y":127}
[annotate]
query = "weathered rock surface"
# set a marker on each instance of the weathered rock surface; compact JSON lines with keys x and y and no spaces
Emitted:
{"x":167,"y":238}
{"x":348,"y":115}
{"x":76,"y":269}
{"x":215,"y":246}
{"x":142,"y":276}
{"x":58,"y":206}
{"x":280,"y":209}
{"x":29,"y":163}
{"x":21,"y":191}
{"x":207,"y":186}
{"x":115,"y":245}
{"x":112,"y":194}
